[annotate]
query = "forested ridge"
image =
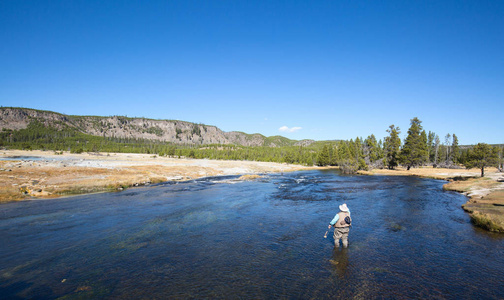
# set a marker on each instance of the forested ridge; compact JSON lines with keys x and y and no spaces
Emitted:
{"x":56,"y":132}
{"x":120,"y":127}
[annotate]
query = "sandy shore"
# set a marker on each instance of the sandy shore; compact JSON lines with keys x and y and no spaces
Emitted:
{"x":43,"y":174}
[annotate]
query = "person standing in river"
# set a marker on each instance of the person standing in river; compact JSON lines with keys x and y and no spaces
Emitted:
{"x":341,"y":223}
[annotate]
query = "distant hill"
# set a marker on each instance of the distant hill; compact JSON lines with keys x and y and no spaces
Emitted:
{"x":170,"y":131}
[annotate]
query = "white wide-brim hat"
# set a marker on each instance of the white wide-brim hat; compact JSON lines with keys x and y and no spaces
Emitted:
{"x":343,"y":207}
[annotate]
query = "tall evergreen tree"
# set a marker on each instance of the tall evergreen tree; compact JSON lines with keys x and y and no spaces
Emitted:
{"x":323,"y":158}
{"x":357,"y":145}
{"x":391,"y":147}
{"x":353,"y":152}
{"x":334,"y":155}
{"x":344,"y":152}
{"x":359,"y":154}
{"x":371,"y":150}
{"x":414,"y":150}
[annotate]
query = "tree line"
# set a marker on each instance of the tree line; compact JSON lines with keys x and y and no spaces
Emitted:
{"x":419,"y":148}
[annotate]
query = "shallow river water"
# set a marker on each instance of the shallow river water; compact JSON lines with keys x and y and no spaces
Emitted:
{"x":221,"y":238}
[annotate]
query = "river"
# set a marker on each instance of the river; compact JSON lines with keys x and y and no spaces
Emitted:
{"x":263,"y":239}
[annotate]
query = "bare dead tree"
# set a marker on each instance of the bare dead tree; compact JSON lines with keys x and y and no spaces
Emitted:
{"x":447,"y":145}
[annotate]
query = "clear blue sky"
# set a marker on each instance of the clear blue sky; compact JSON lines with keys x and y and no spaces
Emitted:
{"x":316,"y":69}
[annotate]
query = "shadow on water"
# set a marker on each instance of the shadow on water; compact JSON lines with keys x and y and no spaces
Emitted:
{"x":222,"y":238}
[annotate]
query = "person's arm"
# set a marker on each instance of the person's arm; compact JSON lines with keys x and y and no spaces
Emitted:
{"x":334,"y":220}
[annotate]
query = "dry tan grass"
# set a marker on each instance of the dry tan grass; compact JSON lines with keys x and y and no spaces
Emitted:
{"x":21,"y":183}
{"x":465,"y":185}
{"x":86,"y":173}
{"x":496,"y":197}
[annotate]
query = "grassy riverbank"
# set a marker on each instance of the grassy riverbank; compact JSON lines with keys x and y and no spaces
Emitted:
{"x":486,"y":202}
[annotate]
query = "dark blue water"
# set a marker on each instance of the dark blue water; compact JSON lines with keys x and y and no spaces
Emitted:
{"x":220,"y":238}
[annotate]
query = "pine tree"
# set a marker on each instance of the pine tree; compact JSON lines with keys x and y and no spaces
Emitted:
{"x":371,"y":151}
{"x":334,"y":155}
{"x":343,"y":151}
{"x":414,"y":150}
{"x":323,"y":158}
{"x":391,"y":147}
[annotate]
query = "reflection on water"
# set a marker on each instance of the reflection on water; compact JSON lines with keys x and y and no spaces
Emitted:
{"x":339,"y":261}
{"x":219,"y":238}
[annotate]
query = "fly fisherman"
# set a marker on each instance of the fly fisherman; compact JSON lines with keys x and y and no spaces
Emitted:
{"x":341,"y":223}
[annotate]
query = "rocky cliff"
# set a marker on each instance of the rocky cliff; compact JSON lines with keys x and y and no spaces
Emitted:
{"x":170,"y":131}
